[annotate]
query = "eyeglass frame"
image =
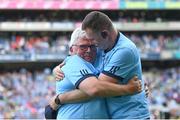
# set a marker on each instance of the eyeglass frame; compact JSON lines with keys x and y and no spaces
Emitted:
{"x":85,"y":47}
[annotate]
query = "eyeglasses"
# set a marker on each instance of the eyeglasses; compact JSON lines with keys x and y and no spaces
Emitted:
{"x":85,"y":47}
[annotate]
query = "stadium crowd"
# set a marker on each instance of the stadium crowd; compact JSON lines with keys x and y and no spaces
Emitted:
{"x":19,"y":44}
{"x":24,"y":94}
{"x":157,"y":46}
{"x":147,"y":43}
{"x":164,"y":95}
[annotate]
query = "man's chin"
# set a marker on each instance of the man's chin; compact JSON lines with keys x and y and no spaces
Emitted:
{"x":89,"y":59}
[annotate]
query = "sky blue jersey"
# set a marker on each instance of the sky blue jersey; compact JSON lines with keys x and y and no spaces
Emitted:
{"x":76,"y":70}
{"x":98,"y":64}
{"x":122,"y":63}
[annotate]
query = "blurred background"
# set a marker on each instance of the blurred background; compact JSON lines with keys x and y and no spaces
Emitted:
{"x":34,"y":37}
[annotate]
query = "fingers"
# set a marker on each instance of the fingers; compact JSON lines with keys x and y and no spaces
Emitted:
{"x":135,"y":78}
{"x":62,"y":64}
{"x":138,"y":83}
{"x":146,"y":90}
{"x":57,"y":72}
{"x":139,"y":86}
{"x":135,"y":85}
{"x":59,"y":76}
{"x":56,"y":69}
{"x":132,"y":80}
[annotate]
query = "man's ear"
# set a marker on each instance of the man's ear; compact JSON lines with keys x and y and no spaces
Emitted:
{"x":104,"y":34}
{"x":71,"y":50}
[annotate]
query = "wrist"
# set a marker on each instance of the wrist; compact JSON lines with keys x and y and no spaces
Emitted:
{"x":57,"y":100}
{"x":130,"y":89}
{"x":127,"y":89}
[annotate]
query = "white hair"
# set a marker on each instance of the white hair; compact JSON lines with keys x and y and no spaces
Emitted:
{"x":77,"y":34}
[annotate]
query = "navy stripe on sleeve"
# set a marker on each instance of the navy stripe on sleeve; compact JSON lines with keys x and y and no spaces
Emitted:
{"x":81,"y":79}
{"x":112,"y":75}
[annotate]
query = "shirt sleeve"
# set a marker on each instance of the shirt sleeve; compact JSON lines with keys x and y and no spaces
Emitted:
{"x":121,"y":63}
{"x":76,"y":70}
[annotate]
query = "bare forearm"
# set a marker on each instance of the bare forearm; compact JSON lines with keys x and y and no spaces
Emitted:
{"x":107,"y":89}
{"x":99,"y":88}
{"x":74,"y":97}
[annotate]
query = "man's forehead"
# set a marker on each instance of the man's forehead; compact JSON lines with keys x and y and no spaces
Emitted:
{"x":85,"y":41}
{"x":89,"y":33}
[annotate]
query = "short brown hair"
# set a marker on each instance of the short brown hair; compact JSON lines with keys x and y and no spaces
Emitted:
{"x":96,"y":21}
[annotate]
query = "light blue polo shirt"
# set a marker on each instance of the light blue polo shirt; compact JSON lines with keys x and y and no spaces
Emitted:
{"x":122,"y":63}
{"x":98,"y":64}
{"x":76,"y":70}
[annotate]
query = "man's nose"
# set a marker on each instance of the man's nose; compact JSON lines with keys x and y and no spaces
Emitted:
{"x":88,"y":49}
